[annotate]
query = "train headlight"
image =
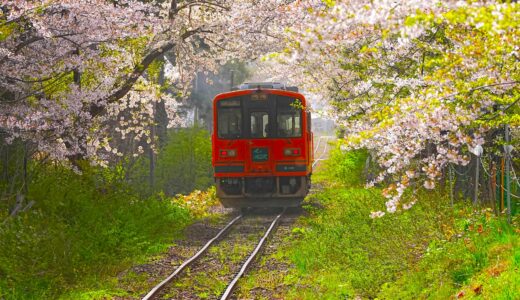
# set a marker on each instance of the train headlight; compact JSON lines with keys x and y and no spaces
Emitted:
{"x":291,"y":152}
{"x":228,"y":153}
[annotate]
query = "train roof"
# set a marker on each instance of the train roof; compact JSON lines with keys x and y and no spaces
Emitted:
{"x":265,"y":85}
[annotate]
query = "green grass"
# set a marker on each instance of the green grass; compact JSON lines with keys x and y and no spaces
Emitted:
{"x":342,"y":252}
{"x":480,"y":260}
{"x":432,"y":251}
{"x":82,"y":231}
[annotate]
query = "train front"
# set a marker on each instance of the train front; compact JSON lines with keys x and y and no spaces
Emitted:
{"x":262,"y":148}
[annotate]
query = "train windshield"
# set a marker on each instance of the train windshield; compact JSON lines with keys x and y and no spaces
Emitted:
{"x":230,"y":119}
{"x":289,"y":118}
{"x":259,"y":116}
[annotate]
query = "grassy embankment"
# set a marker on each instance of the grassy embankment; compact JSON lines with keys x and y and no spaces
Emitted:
{"x":432,"y":251}
{"x":85,"y":229}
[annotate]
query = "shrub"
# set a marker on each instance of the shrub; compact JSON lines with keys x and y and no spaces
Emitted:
{"x":198,"y":202}
{"x":346,"y":167}
{"x":182,"y":165}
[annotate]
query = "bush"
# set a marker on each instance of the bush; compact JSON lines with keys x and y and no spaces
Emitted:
{"x":182,"y":165}
{"x":346,"y":167}
{"x":198,"y":202}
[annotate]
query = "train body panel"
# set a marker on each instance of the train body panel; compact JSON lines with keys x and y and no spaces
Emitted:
{"x":262,"y":148}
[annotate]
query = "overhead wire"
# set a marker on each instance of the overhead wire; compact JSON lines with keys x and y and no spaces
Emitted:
{"x":459,"y":173}
{"x":515,"y":178}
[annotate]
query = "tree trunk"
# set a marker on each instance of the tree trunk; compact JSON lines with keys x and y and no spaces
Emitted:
{"x":25,"y":158}
{"x":160,"y":114}
{"x":152,"y":160}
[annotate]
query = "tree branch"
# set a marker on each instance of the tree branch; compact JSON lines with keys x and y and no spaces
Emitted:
{"x":131,"y":79}
{"x":173,"y":9}
{"x":480,"y":88}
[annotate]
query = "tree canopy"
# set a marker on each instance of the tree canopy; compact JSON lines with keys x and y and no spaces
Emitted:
{"x":417,"y":83}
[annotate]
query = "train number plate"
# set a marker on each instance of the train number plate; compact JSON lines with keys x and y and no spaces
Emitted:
{"x":260,"y":154}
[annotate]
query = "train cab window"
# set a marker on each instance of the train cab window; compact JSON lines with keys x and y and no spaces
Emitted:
{"x":289,"y":124}
{"x":259,"y":124}
{"x":288,"y":118}
{"x":229,"y":119}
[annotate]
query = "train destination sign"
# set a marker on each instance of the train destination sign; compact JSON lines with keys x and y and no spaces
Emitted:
{"x":260,"y":154}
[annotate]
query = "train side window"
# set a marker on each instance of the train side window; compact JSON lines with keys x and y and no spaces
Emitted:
{"x":309,"y":121}
{"x":259,"y":124}
{"x":230,"y":123}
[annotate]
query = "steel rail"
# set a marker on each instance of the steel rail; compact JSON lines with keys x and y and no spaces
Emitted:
{"x":323,"y":153}
{"x":153,"y":292}
{"x":318,"y":145}
{"x":316,"y":150}
{"x":229,"y":289}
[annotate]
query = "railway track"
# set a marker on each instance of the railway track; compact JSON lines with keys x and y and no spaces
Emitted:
{"x":160,"y":291}
{"x":325,"y":147}
{"x":179,"y":279}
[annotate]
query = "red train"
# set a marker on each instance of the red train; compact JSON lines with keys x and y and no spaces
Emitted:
{"x":262,"y":146}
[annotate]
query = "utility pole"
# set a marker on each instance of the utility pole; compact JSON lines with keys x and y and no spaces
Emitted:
{"x":231,"y":82}
{"x":507,"y":151}
{"x":478,"y":152}
{"x":450,"y":174}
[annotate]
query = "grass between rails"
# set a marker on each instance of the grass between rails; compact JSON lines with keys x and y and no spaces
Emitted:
{"x":432,"y":251}
{"x":209,"y":277}
{"x":79,"y":234}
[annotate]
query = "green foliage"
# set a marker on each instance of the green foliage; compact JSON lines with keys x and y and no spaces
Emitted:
{"x":85,"y":228}
{"x":6,"y":29}
{"x":198,"y":202}
{"x":182,"y":165}
{"x":81,"y":228}
{"x":346,"y":167}
{"x":185,"y":163}
{"x":154,"y":70}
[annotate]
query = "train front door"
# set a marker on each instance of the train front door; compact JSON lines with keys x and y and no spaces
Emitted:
{"x":259,"y":116}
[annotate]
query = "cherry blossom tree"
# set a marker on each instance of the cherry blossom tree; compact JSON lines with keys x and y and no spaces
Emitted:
{"x":417,"y":83}
{"x":70,"y":69}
